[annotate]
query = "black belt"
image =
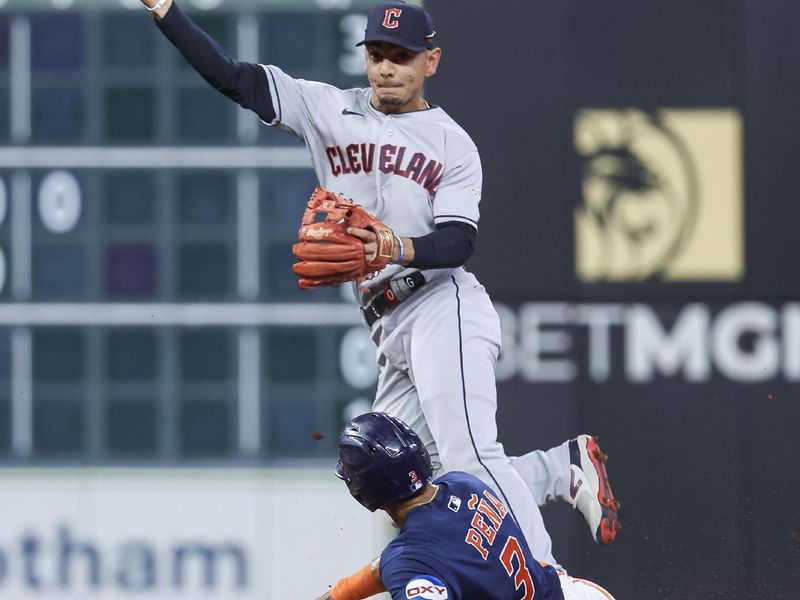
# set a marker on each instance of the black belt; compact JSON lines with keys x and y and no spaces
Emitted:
{"x":389,"y":296}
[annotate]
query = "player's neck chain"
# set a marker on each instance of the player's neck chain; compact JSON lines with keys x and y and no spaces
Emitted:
{"x":432,"y":498}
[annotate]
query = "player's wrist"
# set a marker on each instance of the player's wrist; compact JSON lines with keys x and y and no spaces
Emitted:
{"x":398,"y":253}
{"x":158,"y":8}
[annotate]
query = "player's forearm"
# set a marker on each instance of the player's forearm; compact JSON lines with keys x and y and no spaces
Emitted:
{"x":450,"y":245}
{"x":362,"y":584}
{"x":242,"y":82}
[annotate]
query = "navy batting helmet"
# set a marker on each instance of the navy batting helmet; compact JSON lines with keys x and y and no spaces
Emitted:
{"x":382,"y":460}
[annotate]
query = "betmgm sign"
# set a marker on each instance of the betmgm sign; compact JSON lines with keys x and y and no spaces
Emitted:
{"x":742,"y":342}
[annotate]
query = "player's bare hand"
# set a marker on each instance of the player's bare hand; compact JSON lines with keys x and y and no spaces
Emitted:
{"x":370,"y":241}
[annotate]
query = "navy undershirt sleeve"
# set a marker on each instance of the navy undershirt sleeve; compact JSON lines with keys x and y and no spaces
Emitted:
{"x":242,"y":82}
{"x":450,"y":245}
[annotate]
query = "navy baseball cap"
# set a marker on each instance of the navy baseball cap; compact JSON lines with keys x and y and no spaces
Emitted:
{"x":406,"y":25}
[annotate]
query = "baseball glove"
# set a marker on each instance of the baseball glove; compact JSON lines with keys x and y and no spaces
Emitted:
{"x":326,"y":253}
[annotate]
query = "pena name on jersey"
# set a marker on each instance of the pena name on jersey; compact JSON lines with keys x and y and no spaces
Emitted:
{"x":464,"y":545}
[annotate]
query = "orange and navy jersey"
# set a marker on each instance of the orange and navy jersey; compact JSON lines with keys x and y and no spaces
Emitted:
{"x":464,"y":545}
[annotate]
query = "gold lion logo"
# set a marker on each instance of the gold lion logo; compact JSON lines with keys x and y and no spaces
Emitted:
{"x":661,"y":195}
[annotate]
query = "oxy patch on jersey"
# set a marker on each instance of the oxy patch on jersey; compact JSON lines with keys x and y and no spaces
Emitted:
{"x":426,"y":587}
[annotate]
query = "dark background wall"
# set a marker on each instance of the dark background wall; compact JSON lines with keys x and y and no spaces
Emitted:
{"x":704,"y":461}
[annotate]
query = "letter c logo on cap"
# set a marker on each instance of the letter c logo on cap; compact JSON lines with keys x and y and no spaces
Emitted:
{"x":390,"y":19}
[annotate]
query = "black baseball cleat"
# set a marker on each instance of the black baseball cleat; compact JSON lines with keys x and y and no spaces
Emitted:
{"x":590,"y":490}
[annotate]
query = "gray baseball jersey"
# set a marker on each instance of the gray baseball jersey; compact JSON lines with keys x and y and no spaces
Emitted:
{"x":411,"y":170}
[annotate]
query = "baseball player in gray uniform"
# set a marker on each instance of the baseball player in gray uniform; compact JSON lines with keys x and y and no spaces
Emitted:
{"x":437,"y":334}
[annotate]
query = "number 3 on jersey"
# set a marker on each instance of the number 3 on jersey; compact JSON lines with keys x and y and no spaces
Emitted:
{"x":522,"y":577}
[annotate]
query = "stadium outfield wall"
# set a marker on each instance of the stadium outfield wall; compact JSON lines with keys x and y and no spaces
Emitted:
{"x":168,"y":534}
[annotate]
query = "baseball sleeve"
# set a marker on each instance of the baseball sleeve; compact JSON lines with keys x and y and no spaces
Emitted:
{"x":295,"y":101}
{"x":450,"y":245}
{"x":242,"y":82}
{"x":459,"y":191}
